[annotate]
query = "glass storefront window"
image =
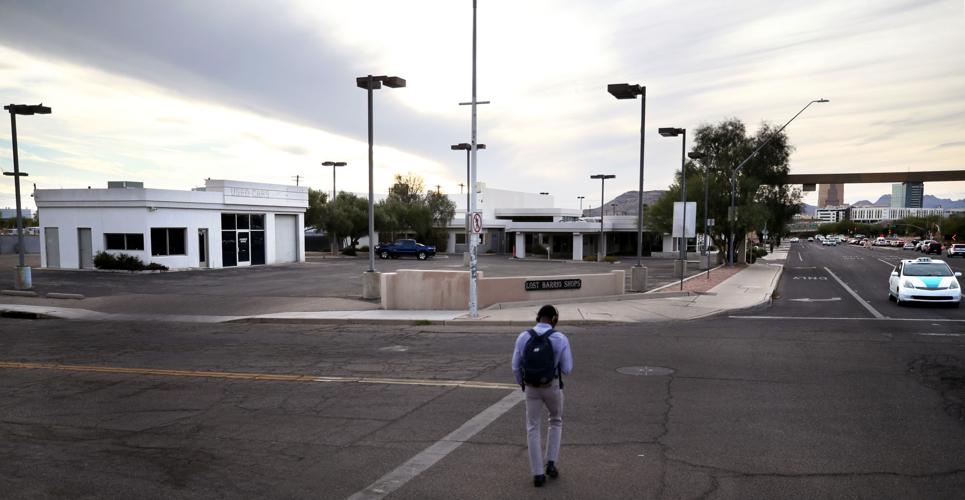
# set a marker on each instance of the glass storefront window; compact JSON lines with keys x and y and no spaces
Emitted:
{"x":228,"y":221}
{"x":244,"y":221}
{"x":257,"y":221}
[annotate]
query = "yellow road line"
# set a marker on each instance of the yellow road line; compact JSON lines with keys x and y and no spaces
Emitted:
{"x":468,"y":384}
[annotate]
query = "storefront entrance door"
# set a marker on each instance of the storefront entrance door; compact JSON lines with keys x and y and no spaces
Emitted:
{"x":244,"y":246}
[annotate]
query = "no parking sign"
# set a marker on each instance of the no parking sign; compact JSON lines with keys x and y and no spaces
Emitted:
{"x":476,"y":222}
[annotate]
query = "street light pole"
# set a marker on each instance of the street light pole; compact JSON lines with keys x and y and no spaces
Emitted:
{"x":601,"y":251}
{"x":370,"y":83}
{"x":581,"y":204}
{"x":732,"y":214}
{"x":23,"y":281}
{"x":627,"y":91}
{"x":334,"y":164}
{"x":673,"y":132}
{"x":468,"y":148}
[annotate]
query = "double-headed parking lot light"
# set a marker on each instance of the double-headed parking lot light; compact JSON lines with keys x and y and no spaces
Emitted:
{"x":370,"y":83}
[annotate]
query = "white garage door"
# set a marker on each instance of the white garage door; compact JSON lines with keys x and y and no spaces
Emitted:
{"x":286,"y":242}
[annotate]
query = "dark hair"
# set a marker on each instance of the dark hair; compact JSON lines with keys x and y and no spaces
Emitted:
{"x":547,"y":311}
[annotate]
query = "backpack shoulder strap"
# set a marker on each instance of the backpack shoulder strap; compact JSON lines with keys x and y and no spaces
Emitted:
{"x":532,"y":333}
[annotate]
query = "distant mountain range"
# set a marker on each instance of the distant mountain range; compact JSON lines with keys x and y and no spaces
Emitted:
{"x":626,"y":203}
{"x":884,"y":200}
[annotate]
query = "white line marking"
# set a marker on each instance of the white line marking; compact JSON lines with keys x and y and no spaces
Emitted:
{"x":942,"y":334}
{"x":799,"y":256}
{"x":874,"y":312}
{"x":832,"y":299}
{"x":809,"y":318}
{"x":429,"y":456}
{"x":886,"y":262}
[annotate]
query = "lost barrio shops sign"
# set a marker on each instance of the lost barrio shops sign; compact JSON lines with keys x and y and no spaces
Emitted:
{"x":534,"y":285}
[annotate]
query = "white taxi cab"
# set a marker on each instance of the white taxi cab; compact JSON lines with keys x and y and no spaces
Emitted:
{"x":924,"y":280}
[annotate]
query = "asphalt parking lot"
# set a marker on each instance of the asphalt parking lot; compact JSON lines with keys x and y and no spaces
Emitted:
{"x":321,"y":283}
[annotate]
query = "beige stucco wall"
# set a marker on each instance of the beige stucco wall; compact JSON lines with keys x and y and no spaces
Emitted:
{"x":449,"y":290}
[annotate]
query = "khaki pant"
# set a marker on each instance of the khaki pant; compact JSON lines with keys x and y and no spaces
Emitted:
{"x":536,"y":398}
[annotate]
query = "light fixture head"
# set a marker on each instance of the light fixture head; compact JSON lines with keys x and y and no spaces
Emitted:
{"x":670,"y":131}
{"x":624,"y":90}
{"x":393,"y":81}
{"x":27,"y":109}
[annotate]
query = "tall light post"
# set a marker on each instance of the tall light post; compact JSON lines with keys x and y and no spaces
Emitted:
{"x":581,"y":198}
{"x":601,"y":252}
{"x":732,"y":214}
{"x":674,"y":132}
{"x":334,"y":164}
{"x":628,"y":91}
{"x":23,"y":280}
{"x":464,"y":146}
{"x":370,"y":83}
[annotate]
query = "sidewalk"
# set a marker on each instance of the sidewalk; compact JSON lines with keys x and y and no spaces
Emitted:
{"x":745,"y":288}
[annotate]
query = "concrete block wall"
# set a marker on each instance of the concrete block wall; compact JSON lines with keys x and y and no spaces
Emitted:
{"x":411,"y":289}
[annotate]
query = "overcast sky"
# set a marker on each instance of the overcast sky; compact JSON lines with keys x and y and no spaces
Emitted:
{"x":170,"y":93}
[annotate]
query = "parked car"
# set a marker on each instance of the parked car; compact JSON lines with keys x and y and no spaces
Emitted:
{"x":810,"y":238}
{"x":794,"y":239}
{"x":400,"y":248}
{"x":908,"y":246}
{"x":924,"y":280}
{"x":956,"y":250}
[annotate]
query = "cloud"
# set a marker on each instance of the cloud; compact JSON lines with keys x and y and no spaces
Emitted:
{"x":166,"y":90}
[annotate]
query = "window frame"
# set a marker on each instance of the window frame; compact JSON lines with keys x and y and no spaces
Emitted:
{"x":156,"y":250}
{"x":127,"y":244}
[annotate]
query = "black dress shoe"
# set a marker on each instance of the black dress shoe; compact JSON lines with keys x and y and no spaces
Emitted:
{"x":551,"y":470}
{"x":539,"y":480}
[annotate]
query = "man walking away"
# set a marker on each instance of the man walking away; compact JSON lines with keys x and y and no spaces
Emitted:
{"x":541,"y":357}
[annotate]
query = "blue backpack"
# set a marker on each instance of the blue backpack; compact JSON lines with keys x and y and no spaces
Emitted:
{"x":538,"y":364}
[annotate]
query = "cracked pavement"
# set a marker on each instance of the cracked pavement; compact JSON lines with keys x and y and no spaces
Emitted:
{"x":754,"y":409}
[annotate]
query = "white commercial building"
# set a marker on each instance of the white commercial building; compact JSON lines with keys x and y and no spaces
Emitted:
{"x":832,"y":214}
{"x":878,"y":214}
{"x":518,"y":222}
{"x":225,"y":223}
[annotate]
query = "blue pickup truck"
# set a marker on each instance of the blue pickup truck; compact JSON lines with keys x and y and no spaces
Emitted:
{"x":400,"y":248}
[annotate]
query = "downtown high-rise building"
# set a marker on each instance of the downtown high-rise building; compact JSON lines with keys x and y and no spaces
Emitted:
{"x":830,"y":195}
{"x":908,"y":195}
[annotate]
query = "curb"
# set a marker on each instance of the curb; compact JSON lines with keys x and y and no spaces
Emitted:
{"x":19,"y":293}
{"x":415,"y":322}
{"x":579,"y":300}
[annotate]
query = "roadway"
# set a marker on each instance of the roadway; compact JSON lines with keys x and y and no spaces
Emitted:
{"x":850,"y":282}
{"x":754,"y":408}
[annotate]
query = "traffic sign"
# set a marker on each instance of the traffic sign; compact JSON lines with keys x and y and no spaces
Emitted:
{"x":476,"y":222}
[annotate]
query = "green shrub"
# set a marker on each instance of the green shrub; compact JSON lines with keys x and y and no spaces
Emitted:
{"x":125,"y":262}
{"x":589,"y":258}
{"x":349,"y":251}
{"x":364,"y":248}
{"x":610,"y":258}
